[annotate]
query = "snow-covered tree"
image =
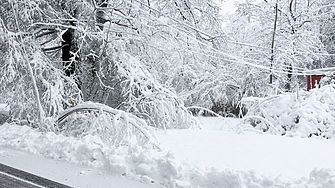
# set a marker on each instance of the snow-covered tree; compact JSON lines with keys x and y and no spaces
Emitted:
{"x":283,"y":36}
{"x":118,"y":53}
{"x":137,"y":57}
{"x":35,"y":86}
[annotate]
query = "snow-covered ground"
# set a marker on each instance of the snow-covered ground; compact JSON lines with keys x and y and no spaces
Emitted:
{"x":211,"y":157}
{"x":216,"y":146}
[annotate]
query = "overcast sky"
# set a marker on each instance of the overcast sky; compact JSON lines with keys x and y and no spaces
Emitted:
{"x":228,"y":6}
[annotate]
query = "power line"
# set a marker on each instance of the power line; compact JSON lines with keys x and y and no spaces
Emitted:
{"x":232,"y":58}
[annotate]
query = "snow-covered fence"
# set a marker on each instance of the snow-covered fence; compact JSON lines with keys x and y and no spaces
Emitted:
{"x":114,"y":126}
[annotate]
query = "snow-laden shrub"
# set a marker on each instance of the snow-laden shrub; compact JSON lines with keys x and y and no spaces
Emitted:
{"x":114,"y":127}
{"x":216,"y":91}
{"x":163,"y":111}
{"x":303,"y":114}
{"x":328,"y":79}
{"x":145,"y":97}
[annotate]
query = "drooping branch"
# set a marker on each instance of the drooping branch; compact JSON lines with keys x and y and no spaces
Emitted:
{"x":291,"y":11}
{"x":52,"y":48}
{"x":31,"y":74}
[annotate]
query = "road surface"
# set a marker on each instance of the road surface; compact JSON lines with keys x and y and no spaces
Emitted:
{"x":11,"y":177}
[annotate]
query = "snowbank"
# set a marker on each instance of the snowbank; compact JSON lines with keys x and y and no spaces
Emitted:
{"x":146,"y":165}
{"x":73,"y":175}
{"x":304,"y":114}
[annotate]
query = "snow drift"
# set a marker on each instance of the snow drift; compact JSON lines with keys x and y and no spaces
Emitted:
{"x":147,"y":165}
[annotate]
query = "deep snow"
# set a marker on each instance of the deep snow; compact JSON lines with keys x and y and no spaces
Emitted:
{"x":215,"y":146}
{"x":211,"y":157}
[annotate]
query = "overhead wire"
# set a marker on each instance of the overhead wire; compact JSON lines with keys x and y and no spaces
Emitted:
{"x":229,"y":40}
{"x":232,"y":58}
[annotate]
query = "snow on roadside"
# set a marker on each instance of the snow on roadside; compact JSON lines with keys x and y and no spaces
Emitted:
{"x":148,"y":166}
{"x":77,"y":176}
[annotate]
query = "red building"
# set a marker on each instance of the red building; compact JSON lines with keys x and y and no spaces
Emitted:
{"x":313,"y":81}
{"x":314,"y":77}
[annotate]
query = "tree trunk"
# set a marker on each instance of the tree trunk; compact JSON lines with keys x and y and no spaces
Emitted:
{"x":100,"y":14}
{"x":68,"y":64}
{"x":289,"y":78}
{"x":68,"y":45}
{"x":273,"y":42}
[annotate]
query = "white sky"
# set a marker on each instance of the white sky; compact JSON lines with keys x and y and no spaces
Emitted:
{"x":228,"y":6}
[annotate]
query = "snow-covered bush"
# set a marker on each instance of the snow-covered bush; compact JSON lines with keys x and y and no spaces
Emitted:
{"x":114,"y":127}
{"x":303,"y":114}
{"x":215,"y":90}
{"x":328,"y":79}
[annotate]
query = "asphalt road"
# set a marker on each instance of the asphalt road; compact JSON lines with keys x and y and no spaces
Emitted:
{"x":11,"y":177}
{"x":10,"y":181}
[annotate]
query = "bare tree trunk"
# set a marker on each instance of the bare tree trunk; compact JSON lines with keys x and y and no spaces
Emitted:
{"x":68,"y":64}
{"x":101,"y":14}
{"x":289,"y":77}
{"x":290,"y":66}
{"x":273,"y":42}
{"x":68,"y":45}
